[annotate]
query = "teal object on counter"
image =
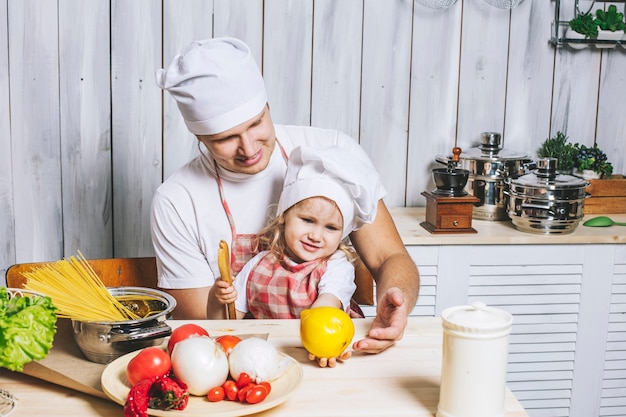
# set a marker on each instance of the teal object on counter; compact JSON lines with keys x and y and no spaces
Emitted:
{"x":602,"y":221}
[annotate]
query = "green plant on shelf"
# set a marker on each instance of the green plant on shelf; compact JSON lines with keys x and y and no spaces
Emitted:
{"x":593,"y":159}
{"x":611,"y":19}
{"x":585,"y":24}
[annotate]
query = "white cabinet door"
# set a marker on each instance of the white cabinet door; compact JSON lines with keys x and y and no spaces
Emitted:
{"x":613,"y":400}
{"x":540,"y":285}
{"x":427,"y":260}
{"x":567,"y":350}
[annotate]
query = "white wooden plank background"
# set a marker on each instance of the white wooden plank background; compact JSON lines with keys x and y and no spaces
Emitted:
{"x":435,"y":61}
{"x":183,"y":21}
{"x":136,"y":103}
{"x":529,"y":82}
{"x":385,"y":90}
{"x":85,"y":130}
{"x":287,"y":27}
{"x":86,"y":136}
{"x":33,"y":62}
{"x":7,"y":227}
{"x":336,"y":75}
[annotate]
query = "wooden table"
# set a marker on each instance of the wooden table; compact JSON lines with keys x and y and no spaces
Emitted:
{"x":402,"y":381}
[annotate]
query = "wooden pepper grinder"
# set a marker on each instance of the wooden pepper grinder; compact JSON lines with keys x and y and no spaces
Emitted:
{"x":449,"y":207}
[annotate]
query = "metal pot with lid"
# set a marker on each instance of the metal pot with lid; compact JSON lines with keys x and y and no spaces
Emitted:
{"x":489,"y":165}
{"x":102,"y":342}
{"x":546,"y":202}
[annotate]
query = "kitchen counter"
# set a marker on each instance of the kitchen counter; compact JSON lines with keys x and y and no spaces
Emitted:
{"x":565,"y":292}
{"x":402,"y":381}
{"x":408,"y":221}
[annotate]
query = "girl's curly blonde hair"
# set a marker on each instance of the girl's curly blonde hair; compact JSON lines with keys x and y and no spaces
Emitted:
{"x":272,"y":238}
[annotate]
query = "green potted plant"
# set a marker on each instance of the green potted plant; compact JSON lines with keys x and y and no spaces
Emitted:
{"x":583,"y":26}
{"x":592,"y":162}
{"x":611,"y":25}
{"x":558,"y":147}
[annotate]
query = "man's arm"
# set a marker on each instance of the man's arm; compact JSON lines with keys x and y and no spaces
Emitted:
{"x":396,"y":275}
{"x":191,"y":303}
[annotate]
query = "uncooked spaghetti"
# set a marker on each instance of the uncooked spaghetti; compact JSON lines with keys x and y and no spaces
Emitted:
{"x":77,"y":291}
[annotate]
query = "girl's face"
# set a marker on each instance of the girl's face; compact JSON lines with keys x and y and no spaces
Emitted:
{"x":246,"y":148}
{"x":313,"y":229}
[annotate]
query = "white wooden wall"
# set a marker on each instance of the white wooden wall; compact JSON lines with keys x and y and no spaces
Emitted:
{"x":86,"y":136}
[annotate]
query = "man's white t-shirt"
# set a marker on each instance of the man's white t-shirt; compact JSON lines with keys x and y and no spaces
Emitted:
{"x":188,"y":219}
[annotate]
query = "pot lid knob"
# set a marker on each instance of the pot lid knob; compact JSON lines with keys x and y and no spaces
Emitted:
{"x":546,"y":167}
{"x":491,"y":142}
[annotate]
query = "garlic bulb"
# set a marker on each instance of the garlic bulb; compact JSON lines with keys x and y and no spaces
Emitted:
{"x":256,"y":357}
{"x":200,"y":363}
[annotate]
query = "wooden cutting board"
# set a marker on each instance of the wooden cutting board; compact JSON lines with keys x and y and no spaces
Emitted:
{"x":65,"y":364}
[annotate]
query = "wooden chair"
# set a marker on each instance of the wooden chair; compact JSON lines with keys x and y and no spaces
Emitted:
{"x":142,"y":272}
{"x":114,"y":272}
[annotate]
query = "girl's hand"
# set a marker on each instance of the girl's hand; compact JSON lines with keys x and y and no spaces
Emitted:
{"x":224,"y":293}
{"x":331,"y":362}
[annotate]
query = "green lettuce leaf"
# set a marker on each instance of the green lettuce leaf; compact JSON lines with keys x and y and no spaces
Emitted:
{"x":27,"y":329}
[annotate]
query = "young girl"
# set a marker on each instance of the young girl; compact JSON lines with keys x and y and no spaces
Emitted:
{"x":304,"y":263}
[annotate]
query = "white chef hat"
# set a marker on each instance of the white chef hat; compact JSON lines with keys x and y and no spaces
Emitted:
{"x":216,"y":84}
{"x":334,"y":173}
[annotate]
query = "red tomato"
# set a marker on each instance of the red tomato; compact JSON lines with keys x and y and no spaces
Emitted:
{"x":216,"y":394}
{"x":256,"y":394}
{"x":148,"y":363}
{"x":230,"y":389}
{"x":267,"y":385}
{"x":228,"y":342}
{"x":243,"y":392}
{"x":244,"y":380}
{"x":183,"y":332}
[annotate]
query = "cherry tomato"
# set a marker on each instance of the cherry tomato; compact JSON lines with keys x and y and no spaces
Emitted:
{"x":228,"y":342}
{"x":230,"y":390}
{"x":267,"y":385}
{"x":216,"y":394}
{"x":148,"y":363}
{"x":183,"y":332}
{"x":256,"y":394}
{"x":244,"y":380}
{"x":243,"y":392}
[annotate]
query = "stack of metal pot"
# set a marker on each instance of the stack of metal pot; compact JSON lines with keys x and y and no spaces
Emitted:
{"x":490,"y":166}
{"x":546,"y":202}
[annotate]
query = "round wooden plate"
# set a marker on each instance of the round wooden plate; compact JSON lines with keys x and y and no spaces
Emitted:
{"x":116,"y":386}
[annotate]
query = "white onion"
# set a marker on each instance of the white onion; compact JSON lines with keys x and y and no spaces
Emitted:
{"x":200,"y":363}
{"x":256,"y":357}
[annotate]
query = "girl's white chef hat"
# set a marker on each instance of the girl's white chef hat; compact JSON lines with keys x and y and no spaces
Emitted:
{"x":216,"y":84}
{"x":334,"y":173}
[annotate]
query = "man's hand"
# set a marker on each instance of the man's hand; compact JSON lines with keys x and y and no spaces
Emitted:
{"x":389,"y":324}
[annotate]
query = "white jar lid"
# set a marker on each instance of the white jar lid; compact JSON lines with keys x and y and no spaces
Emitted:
{"x":478,"y":319}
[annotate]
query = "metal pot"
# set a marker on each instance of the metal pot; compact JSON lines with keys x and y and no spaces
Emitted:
{"x":489,"y":166}
{"x":546,"y":202}
{"x":102,"y":342}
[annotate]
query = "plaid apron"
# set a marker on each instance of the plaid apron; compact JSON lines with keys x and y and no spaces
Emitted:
{"x":242,"y":245}
{"x":281,"y":290}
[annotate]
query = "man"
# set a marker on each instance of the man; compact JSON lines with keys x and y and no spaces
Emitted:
{"x":230,"y":190}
